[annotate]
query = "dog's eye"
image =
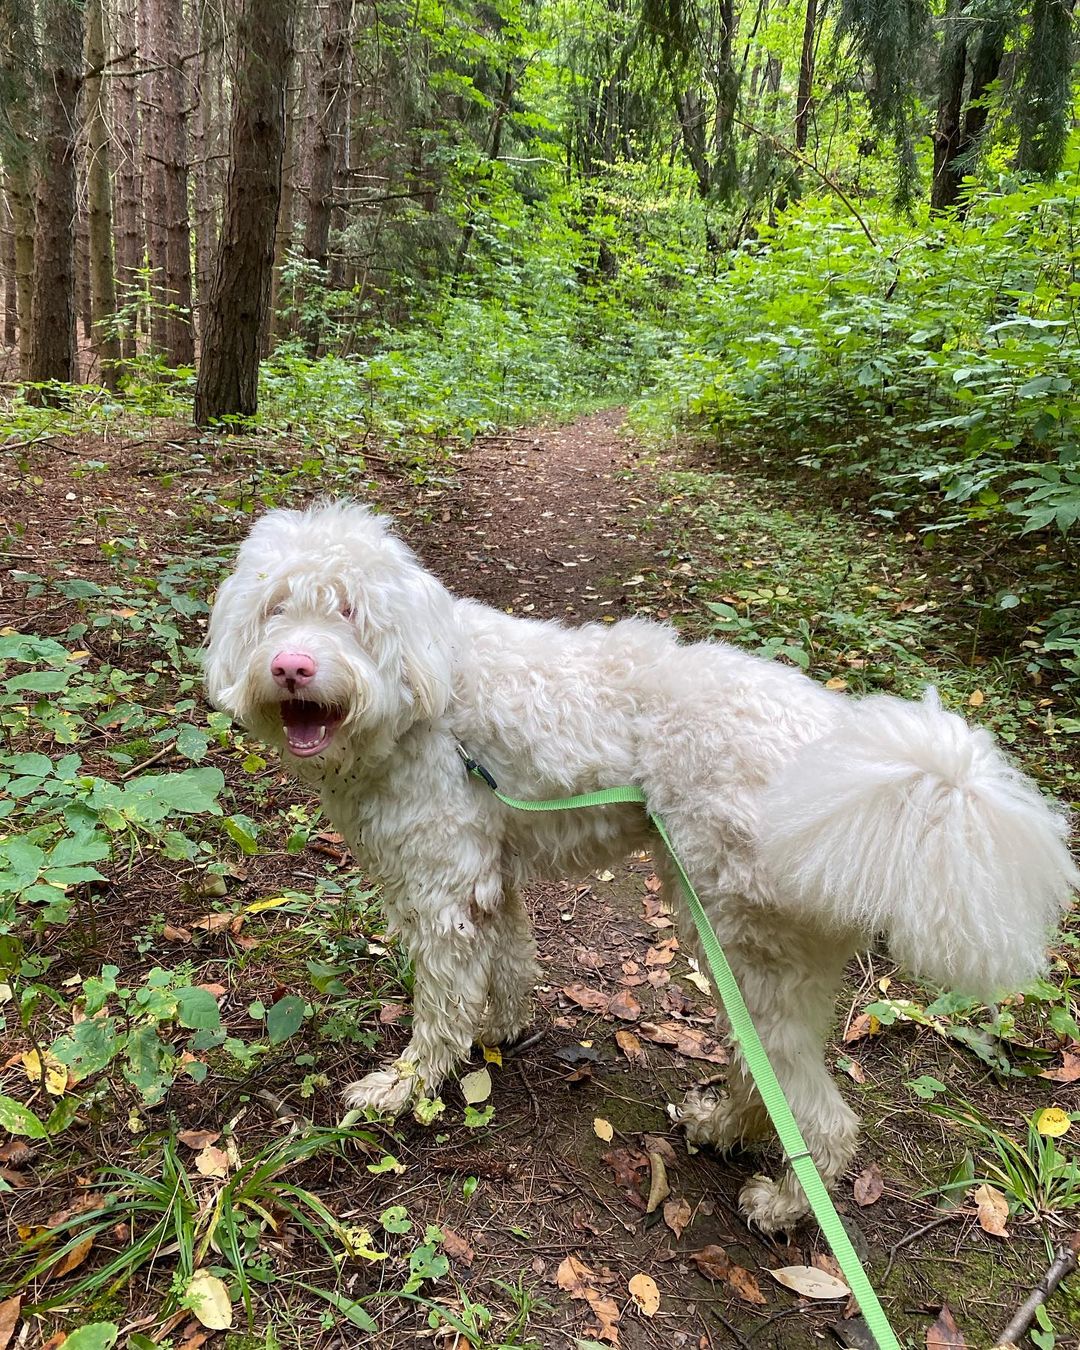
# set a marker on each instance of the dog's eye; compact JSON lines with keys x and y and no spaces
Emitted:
{"x":273,"y":613}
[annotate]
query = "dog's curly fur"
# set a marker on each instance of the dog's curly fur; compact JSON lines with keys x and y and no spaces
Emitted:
{"x":809,"y":821}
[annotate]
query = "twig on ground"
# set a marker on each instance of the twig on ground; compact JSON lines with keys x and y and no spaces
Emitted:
{"x":915,"y":1234}
{"x":148,"y":763}
{"x":1062,"y":1266}
{"x":732,"y":1331}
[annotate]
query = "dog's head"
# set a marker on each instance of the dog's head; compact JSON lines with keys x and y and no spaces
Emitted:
{"x":329,"y":634}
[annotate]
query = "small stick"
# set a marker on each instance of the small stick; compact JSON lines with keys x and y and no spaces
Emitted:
{"x":1063,"y":1265}
{"x":148,"y":763}
{"x":917,"y":1233}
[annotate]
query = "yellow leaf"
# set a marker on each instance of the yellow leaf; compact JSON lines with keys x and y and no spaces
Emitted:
{"x":77,"y":656}
{"x":358,"y":1242}
{"x":977,"y":699}
{"x":56,"y":1075}
{"x":208,"y":1299}
{"x":1053,"y":1121}
{"x":836,"y":683}
{"x":273,"y":903}
{"x":476,"y":1086}
{"x":644,"y":1292}
{"x":603,"y":1129}
{"x":993,"y":1210}
{"x":493,"y":1055}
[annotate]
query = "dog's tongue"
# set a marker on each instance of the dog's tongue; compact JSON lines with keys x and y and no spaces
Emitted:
{"x":305,"y":724}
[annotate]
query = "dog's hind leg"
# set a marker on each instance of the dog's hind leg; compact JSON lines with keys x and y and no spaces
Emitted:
{"x":512,"y":971}
{"x":789,"y":980}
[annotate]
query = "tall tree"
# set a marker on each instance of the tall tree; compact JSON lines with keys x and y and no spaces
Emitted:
{"x":804,"y":98}
{"x":53,"y":352}
{"x":99,"y":199}
{"x":227,"y":383}
{"x":126,"y":145}
{"x":18,"y":102}
{"x":1044,"y":96}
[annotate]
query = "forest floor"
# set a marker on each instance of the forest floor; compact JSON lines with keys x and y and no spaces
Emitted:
{"x":544,"y":1210}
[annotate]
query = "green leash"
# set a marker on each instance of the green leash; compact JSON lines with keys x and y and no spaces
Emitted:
{"x":744,"y":1033}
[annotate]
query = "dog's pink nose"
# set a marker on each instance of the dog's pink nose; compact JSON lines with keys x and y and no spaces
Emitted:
{"x":292,"y":670}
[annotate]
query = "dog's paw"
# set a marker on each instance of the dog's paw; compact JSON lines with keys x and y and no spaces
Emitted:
{"x":770,"y":1206}
{"x":707,"y":1119}
{"x":386,"y":1091}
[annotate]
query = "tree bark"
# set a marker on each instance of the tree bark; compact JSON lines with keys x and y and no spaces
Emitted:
{"x":18,"y":61}
{"x":805,"y":97}
{"x":179,"y":338}
{"x":11,"y":298}
{"x":99,"y":200}
{"x":127,"y":213}
{"x":152,"y":129}
{"x":326,"y":141}
{"x":53,"y":331}
{"x":948,"y":131}
{"x":227,"y":383}
{"x":210,"y":116}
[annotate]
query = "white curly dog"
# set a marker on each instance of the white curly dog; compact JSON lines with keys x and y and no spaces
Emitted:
{"x":809,"y":821}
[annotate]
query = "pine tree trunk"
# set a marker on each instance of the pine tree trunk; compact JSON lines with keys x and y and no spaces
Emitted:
{"x":126,"y":208}
{"x":53,"y":333}
{"x":179,"y":339}
{"x":952,"y":69}
{"x":152,"y":129}
{"x":804,"y":98}
{"x":326,"y":142}
{"x":11,"y":294}
{"x":99,"y":200}
{"x":281,"y":323}
{"x":210,"y":117}
{"x":228,"y":377}
{"x":18,"y":59}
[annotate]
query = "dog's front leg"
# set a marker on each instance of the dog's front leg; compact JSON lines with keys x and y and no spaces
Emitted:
{"x":450,"y":970}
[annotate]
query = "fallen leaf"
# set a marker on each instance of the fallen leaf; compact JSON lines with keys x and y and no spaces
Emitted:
{"x":631,"y":1047}
{"x":715,"y":1264}
{"x":573,"y":1276}
{"x":993,"y":1211}
{"x":626,"y":1164}
{"x":659,"y":1190}
{"x":603,"y":1129}
{"x":677,"y":1215}
{"x":689,"y":1041}
{"x":213,"y":1162}
{"x":945,"y":1334}
{"x":55,"y":1074}
{"x":836,"y":683}
{"x":699,"y":981}
{"x":16,"y":1152}
{"x":809,"y":1282}
{"x":645,"y":1294}
{"x":9,"y":1318}
{"x":210,"y":923}
{"x":976,"y":699}
{"x":868,"y":1187}
{"x":476,"y":1086}
{"x":853,"y":1069}
{"x":624,"y":1006}
{"x":662,"y":953}
{"x":493,"y":1055}
{"x":198,"y":1139}
{"x":653,"y":884}
{"x":457,"y":1247}
{"x":171,"y":933}
{"x":75,"y":1257}
{"x":1053,"y":1122}
{"x":215,"y":990}
{"x":862,"y":1026}
{"x":208,"y":1298}
{"x":390,"y":1012}
{"x":592,"y":1000}
{"x":1069,"y":1071}
{"x":745,"y":1285}
{"x":576,"y":1279}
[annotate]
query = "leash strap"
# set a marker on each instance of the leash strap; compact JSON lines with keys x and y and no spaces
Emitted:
{"x":745,"y":1035}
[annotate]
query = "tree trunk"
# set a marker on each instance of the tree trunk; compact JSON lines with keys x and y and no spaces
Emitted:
{"x":228,"y":377}
{"x":151,"y":122}
{"x":805,"y":97}
{"x":282,"y":317}
{"x":127,"y":209}
{"x":18,"y":60}
{"x":326,"y":142}
{"x":52,"y":337}
{"x":99,"y":201}
{"x":11,"y":298}
{"x":210,"y":117}
{"x":179,"y":339}
{"x":952,"y":69}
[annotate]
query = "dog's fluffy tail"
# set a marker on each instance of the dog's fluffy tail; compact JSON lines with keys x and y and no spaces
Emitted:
{"x":905,"y":820}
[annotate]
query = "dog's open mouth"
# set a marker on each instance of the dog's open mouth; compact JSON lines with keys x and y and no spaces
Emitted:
{"x":309,"y":727}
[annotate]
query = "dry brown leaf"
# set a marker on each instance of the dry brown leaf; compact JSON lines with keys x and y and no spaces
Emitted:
{"x":993,"y":1211}
{"x":626,"y":1164}
{"x":659,"y":1190}
{"x":862,"y":1026}
{"x":745,"y":1285}
{"x":677,"y":1215}
{"x":976,"y":699}
{"x":663,"y":953}
{"x":631,"y":1047}
{"x":945,"y":1334}
{"x":198,"y":1139}
{"x":855,"y":1071}
{"x":653,"y":885}
{"x":74,"y":1258}
{"x":390,"y":1012}
{"x":210,"y":923}
{"x":645,"y":1294}
{"x":869,"y":1186}
{"x":689,"y":1041}
{"x":9,"y":1318}
{"x":715,"y":1264}
{"x":1069,"y":1071}
{"x":171,"y":933}
{"x":457,"y":1247}
{"x":54,"y":1342}
{"x":575,"y":1278}
{"x":17,"y":1152}
{"x":810,"y":1282}
{"x":624,"y":1006}
{"x":82,"y":1204}
{"x":606,"y":1312}
{"x":213,"y":1162}
{"x":216,"y":990}
{"x":592,"y":1000}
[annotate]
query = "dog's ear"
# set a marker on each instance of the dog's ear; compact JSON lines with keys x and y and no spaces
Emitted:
{"x":427,"y":643}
